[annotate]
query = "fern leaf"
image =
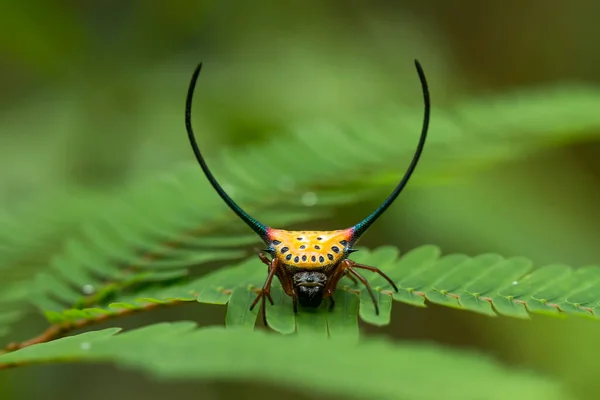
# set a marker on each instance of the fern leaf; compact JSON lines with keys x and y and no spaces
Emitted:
{"x":29,"y":236}
{"x":488,"y":284}
{"x":409,"y":370}
{"x":159,"y":228}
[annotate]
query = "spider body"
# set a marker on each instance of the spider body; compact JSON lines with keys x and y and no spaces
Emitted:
{"x":307,"y":261}
{"x":309,"y":264}
{"x":309,"y":249}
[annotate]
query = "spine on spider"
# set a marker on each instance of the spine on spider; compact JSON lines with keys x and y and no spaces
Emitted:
{"x":256,"y":226}
{"x":362,"y":226}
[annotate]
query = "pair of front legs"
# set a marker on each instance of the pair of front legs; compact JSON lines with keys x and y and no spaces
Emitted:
{"x":346,"y":268}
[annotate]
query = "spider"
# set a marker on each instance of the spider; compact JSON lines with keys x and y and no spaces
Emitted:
{"x":309,"y":264}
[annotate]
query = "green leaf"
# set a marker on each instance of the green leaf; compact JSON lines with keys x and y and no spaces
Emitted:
{"x":487,"y":284}
{"x":156,"y":230}
{"x":374,"y":368}
{"x":279,"y":317}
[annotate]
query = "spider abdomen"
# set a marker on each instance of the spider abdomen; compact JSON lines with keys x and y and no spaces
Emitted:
{"x":309,"y":249}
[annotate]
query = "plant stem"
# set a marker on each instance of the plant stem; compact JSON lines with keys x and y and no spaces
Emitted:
{"x":57,"y":331}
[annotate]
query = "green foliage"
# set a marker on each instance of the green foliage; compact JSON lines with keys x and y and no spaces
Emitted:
{"x":306,"y":362}
{"x":140,"y":247}
{"x":487,"y":284}
{"x":158,"y":228}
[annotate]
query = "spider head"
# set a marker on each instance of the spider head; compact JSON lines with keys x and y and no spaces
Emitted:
{"x":310,"y":287}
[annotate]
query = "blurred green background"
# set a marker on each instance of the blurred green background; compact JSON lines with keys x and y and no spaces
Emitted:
{"x":92,"y":94}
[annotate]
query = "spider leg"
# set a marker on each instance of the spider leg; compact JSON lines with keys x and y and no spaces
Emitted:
{"x":263,"y":258}
{"x":377,"y":271}
{"x":265,"y":292}
{"x":349,"y":276}
{"x":348,"y":267}
{"x":331,"y":302}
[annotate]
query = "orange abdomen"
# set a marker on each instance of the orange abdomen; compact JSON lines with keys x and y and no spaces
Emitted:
{"x":309,"y":249}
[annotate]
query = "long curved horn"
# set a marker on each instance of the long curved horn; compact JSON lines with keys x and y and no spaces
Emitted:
{"x":362,"y":226}
{"x":256,"y":226}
